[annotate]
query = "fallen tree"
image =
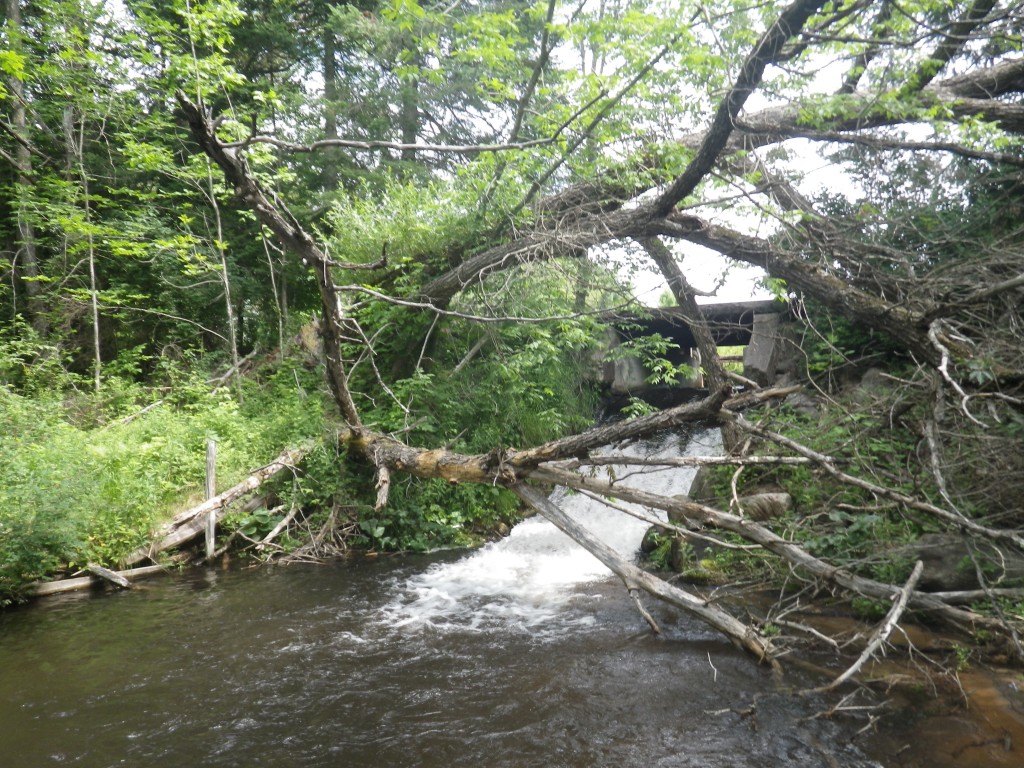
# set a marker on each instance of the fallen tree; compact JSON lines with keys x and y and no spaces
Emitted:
{"x":960,"y":341}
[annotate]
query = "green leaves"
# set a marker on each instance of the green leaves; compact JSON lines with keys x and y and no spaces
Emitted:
{"x":405,"y":13}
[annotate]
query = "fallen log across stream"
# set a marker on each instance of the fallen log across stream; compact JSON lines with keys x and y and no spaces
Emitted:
{"x":636,"y":578}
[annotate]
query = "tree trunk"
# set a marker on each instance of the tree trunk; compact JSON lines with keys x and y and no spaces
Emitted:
{"x":409,"y":117}
{"x":633,"y":577}
{"x":330,"y":156}
{"x":25,"y":249}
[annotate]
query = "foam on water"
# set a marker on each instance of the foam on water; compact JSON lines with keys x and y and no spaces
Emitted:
{"x":529,"y":580}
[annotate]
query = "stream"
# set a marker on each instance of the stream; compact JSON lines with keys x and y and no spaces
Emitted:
{"x":523,"y":653}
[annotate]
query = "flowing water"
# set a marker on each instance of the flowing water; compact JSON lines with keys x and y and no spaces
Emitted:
{"x":523,"y":653}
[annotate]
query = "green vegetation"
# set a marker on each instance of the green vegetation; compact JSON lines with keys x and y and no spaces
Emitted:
{"x":85,"y":476}
{"x":395,"y":230}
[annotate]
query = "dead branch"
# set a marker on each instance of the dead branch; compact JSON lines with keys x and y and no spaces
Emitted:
{"x":686,"y":298}
{"x":953,"y":518}
{"x":688,"y":461}
{"x":882,"y":632}
{"x":635,"y":578}
{"x":509,"y":146}
{"x":108,"y":575}
{"x":793,"y":553}
{"x":186,"y":525}
{"x":383,"y":487}
{"x":43,"y":588}
{"x":282,"y":524}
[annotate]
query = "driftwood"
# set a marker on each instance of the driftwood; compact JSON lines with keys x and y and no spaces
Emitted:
{"x":112,"y":576}
{"x":43,"y":588}
{"x":192,"y":522}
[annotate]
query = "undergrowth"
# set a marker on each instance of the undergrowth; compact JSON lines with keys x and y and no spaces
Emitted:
{"x":85,"y":477}
{"x":833,"y":521}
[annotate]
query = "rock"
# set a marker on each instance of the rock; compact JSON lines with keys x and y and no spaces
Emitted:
{"x":948,"y":566}
{"x":700,"y":487}
{"x":650,"y":541}
{"x":875,"y":381}
{"x":873,"y":385}
{"x":804,"y":404}
{"x":765,"y":506}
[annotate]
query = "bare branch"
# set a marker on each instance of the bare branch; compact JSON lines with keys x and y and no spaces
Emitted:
{"x":512,"y":146}
{"x":702,"y":514}
{"x":715,"y":138}
{"x":952,"y":518}
{"x":882,"y":143}
{"x":882,"y":632}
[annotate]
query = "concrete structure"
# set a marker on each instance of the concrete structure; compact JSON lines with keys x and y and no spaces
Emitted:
{"x":754,"y":325}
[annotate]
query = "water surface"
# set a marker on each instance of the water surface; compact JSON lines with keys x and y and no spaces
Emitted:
{"x":523,"y":653}
{"x":295,"y":667}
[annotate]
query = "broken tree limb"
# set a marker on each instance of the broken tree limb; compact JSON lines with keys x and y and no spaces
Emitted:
{"x":188,"y":524}
{"x":882,"y":632}
{"x":634,"y":578}
{"x":281,"y":525}
{"x":108,"y":575}
{"x":793,"y":553}
{"x":279,"y":220}
{"x":383,"y":487}
{"x":954,"y":519}
{"x":687,"y":461}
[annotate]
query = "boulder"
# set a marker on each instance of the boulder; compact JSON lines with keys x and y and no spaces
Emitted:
{"x":765,"y":506}
{"x":948,"y":566}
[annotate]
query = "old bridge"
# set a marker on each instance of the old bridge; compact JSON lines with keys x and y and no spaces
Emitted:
{"x":750,"y":324}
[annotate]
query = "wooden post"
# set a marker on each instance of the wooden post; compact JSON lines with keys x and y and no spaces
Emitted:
{"x":211,"y":491}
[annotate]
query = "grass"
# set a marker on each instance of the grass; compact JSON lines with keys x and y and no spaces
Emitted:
{"x":79,"y":483}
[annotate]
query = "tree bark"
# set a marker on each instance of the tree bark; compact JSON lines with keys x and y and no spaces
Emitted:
{"x":291,"y":234}
{"x":903,"y":323}
{"x":330,"y":67}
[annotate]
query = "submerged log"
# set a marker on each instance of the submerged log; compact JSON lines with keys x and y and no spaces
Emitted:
{"x":43,"y":588}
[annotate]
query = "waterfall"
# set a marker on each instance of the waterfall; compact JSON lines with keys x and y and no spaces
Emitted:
{"x":529,"y":580}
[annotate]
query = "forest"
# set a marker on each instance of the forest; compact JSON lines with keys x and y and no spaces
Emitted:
{"x":372,"y":250}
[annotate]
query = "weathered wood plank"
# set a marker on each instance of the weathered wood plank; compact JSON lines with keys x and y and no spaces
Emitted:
{"x":108,"y":575}
{"x":43,"y":588}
